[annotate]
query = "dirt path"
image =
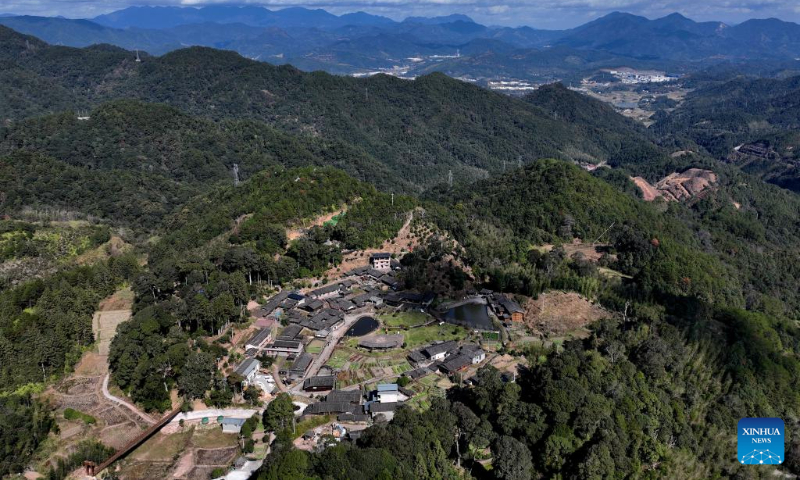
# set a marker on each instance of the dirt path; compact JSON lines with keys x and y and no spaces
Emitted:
{"x":278,"y":382}
{"x":295,"y":233}
{"x":125,"y":404}
{"x":403,"y":242}
{"x":117,"y":421}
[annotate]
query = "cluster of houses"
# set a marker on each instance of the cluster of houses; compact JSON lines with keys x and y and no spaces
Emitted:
{"x":354,"y":406}
{"x":322,"y":310}
{"x":448,"y":357}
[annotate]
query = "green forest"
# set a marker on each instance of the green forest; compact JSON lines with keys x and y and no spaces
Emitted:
{"x":705,"y":293}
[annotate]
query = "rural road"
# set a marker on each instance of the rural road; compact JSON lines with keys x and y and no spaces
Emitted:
{"x":330,"y":345}
{"x":216,"y":412}
{"x":122,"y":402}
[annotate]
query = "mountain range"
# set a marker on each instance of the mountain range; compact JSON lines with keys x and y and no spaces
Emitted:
{"x":361,"y":43}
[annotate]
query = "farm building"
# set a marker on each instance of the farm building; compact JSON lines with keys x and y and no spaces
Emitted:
{"x":284,"y":347}
{"x":232,"y":425}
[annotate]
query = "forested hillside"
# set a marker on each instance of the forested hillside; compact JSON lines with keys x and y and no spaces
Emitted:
{"x":701,"y":342}
{"x":420,"y":130}
{"x":749,"y":122}
{"x":158,"y":140}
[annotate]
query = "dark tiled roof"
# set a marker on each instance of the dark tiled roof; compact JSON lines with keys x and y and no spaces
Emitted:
{"x":416,"y":356}
{"x":376,"y":407}
{"x":259,"y":337}
{"x":457,"y":362}
{"x":325,"y":290}
{"x":332,"y":407}
{"x":284,"y":344}
{"x":432,"y":350}
{"x":327,"y":381}
{"x":509,"y":305}
{"x":290,"y":333}
{"x":274,"y":302}
{"x":381,"y":255}
{"x":301,"y":363}
{"x":352,"y":417}
{"x":349,"y":396}
{"x":417,"y":373}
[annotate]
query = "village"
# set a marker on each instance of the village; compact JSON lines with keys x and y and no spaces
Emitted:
{"x":349,"y":353}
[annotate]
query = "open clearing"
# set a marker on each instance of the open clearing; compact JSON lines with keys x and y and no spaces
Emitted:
{"x":556,"y":313}
{"x":189,"y":453}
{"x":104,"y":326}
{"x":83,"y":389}
{"x":590,"y":251}
{"x":404,"y":319}
{"x":297,"y":232}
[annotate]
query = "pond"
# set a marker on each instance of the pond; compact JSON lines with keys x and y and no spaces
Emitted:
{"x":470,"y":315}
{"x":363,"y":326}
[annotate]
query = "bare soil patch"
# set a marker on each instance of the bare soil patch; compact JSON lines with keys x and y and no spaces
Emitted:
{"x":649,"y":192}
{"x":556,"y":313}
{"x":120,"y":300}
{"x":403,"y":242}
{"x":590,"y":251}
{"x":114,"y":247}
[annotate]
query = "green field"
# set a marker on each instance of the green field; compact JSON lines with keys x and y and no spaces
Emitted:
{"x":315,"y":346}
{"x":404,"y":319}
{"x":417,"y":337}
{"x":338,"y":358}
{"x":72,"y":414}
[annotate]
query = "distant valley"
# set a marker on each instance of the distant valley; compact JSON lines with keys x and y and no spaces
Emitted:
{"x":512,"y":60}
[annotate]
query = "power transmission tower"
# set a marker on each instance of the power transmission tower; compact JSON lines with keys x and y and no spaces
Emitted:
{"x":450,"y":179}
{"x":235,"y":174}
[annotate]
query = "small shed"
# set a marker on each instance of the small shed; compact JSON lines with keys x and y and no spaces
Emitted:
{"x":232,"y":425}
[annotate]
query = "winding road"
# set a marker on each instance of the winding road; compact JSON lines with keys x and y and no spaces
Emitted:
{"x":125,"y":404}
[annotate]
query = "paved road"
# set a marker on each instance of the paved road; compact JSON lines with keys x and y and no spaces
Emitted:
{"x":332,"y":340}
{"x":216,"y":412}
{"x":122,"y":402}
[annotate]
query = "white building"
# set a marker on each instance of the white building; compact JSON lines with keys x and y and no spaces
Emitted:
{"x":248,"y":369}
{"x":381,"y":262}
{"x":388,"y":393}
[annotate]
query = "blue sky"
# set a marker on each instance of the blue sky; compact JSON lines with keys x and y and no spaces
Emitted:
{"x":535,"y":13}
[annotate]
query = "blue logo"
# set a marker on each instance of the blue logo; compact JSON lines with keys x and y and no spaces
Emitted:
{"x":761,"y":441}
